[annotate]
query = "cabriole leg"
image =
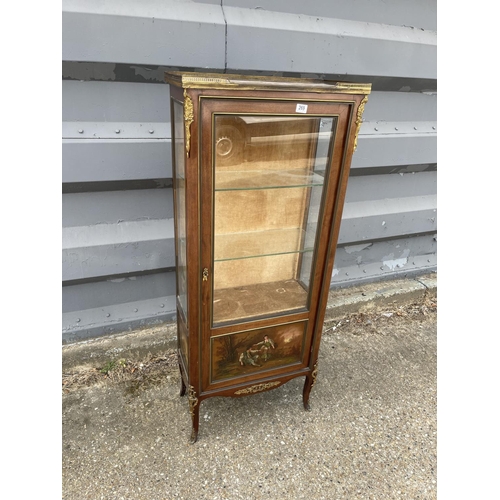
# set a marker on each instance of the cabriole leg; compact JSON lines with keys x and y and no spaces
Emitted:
{"x":308,"y":385}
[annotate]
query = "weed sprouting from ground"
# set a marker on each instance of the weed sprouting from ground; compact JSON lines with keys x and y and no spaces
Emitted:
{"x":151,"y":368}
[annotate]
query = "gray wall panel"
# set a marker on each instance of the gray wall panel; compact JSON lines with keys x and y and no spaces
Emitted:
{"x":400,"y":149}
{"x":80,"y":325}
{"x":388,"y":206}
{"x":377,"y":271}
{"x":117,"y":224}
{"x":400,"y":107}
{"x":164,"y":32}
{"x":144,"y":102}
{"x":168,"y":33}
{"x":349,"y":47}
{"x":105,"y":260}
{"x":357,"y":227}
{"x":83,"y":209}
{"x":378,"y":259}
{"x":109,"y":160}
{"x":418,"y":13}
{"x":115,"y":102}
{"x":107,"y":249}
{"x":391,"y":253}
{"x":380,"y":187}
{"x":113,"y":291}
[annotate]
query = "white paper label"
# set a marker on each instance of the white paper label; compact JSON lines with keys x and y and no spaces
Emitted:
{"x":301,"y":108}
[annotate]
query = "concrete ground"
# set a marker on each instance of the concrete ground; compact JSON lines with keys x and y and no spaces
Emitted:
{"x":371,"y":431}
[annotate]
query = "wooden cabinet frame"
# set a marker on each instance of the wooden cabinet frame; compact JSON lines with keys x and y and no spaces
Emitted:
{"x":260,"y":169}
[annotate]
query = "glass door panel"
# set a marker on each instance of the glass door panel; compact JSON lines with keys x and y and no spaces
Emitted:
{"x":269,"y":177}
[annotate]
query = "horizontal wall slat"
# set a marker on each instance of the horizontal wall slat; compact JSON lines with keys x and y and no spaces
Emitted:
{"x":417,"y":13}
{"x":115,"y":290}
{"x":299,"y":43}
{"x":169,"y":33}
{"x":80,"y":325}
{"x":106,"y":260}
{"x":89,"y":101}
{"x":150,"y":131}
{"x":149,"y":32}
{"x":85,"y":209}
{"x":123,"y":233}
{"x":369,"y":259}
{"x":369,"y":220}
{"x":400,"y":107}
{"x":379,"y":187}
{"x":384,"y":150}
{"x":115,"y":102}
{"x":110,"y":160}
{"x":145,"y":73}
{"x":121,"y":159}
{"x":389,"y":206}
{"x":107,"y":249}
{"x":377,"y":271}
{"x":386,"y":251}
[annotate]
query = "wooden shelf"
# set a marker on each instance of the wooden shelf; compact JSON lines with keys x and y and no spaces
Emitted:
{"x":239,"y":303}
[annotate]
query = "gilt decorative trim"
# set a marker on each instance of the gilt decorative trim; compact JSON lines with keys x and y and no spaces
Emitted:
{"x":258,"y":388}
{"x":193,"y":400}
{"x":222,"y":81}
{"x":359,"y":120}
{"x":188,"y":119}
{"x":314,"y":374}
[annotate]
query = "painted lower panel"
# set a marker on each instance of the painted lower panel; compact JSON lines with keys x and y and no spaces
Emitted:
{"x":256,"y":351}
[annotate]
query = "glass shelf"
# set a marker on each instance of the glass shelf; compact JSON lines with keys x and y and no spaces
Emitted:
{"x":253,"y":244}
{"x":270,"y":179}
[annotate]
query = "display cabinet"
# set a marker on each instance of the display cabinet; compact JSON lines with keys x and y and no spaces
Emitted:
{"x":260,"y":168}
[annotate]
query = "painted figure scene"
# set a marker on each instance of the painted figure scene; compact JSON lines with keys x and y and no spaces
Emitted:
{"x":249,"y":352}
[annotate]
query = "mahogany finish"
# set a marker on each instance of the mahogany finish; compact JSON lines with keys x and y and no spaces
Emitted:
{"x":258,"y":199}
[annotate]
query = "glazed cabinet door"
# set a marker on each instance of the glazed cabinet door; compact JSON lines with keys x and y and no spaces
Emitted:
{"x":269,"y":172}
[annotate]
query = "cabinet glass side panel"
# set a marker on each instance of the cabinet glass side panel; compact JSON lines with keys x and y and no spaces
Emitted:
{"x":180,"y":205}
{"x":183,"y":341}
{"x":269,"y":177}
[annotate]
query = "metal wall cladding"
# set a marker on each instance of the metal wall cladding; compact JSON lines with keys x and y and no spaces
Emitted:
{"x":118,"y":251}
